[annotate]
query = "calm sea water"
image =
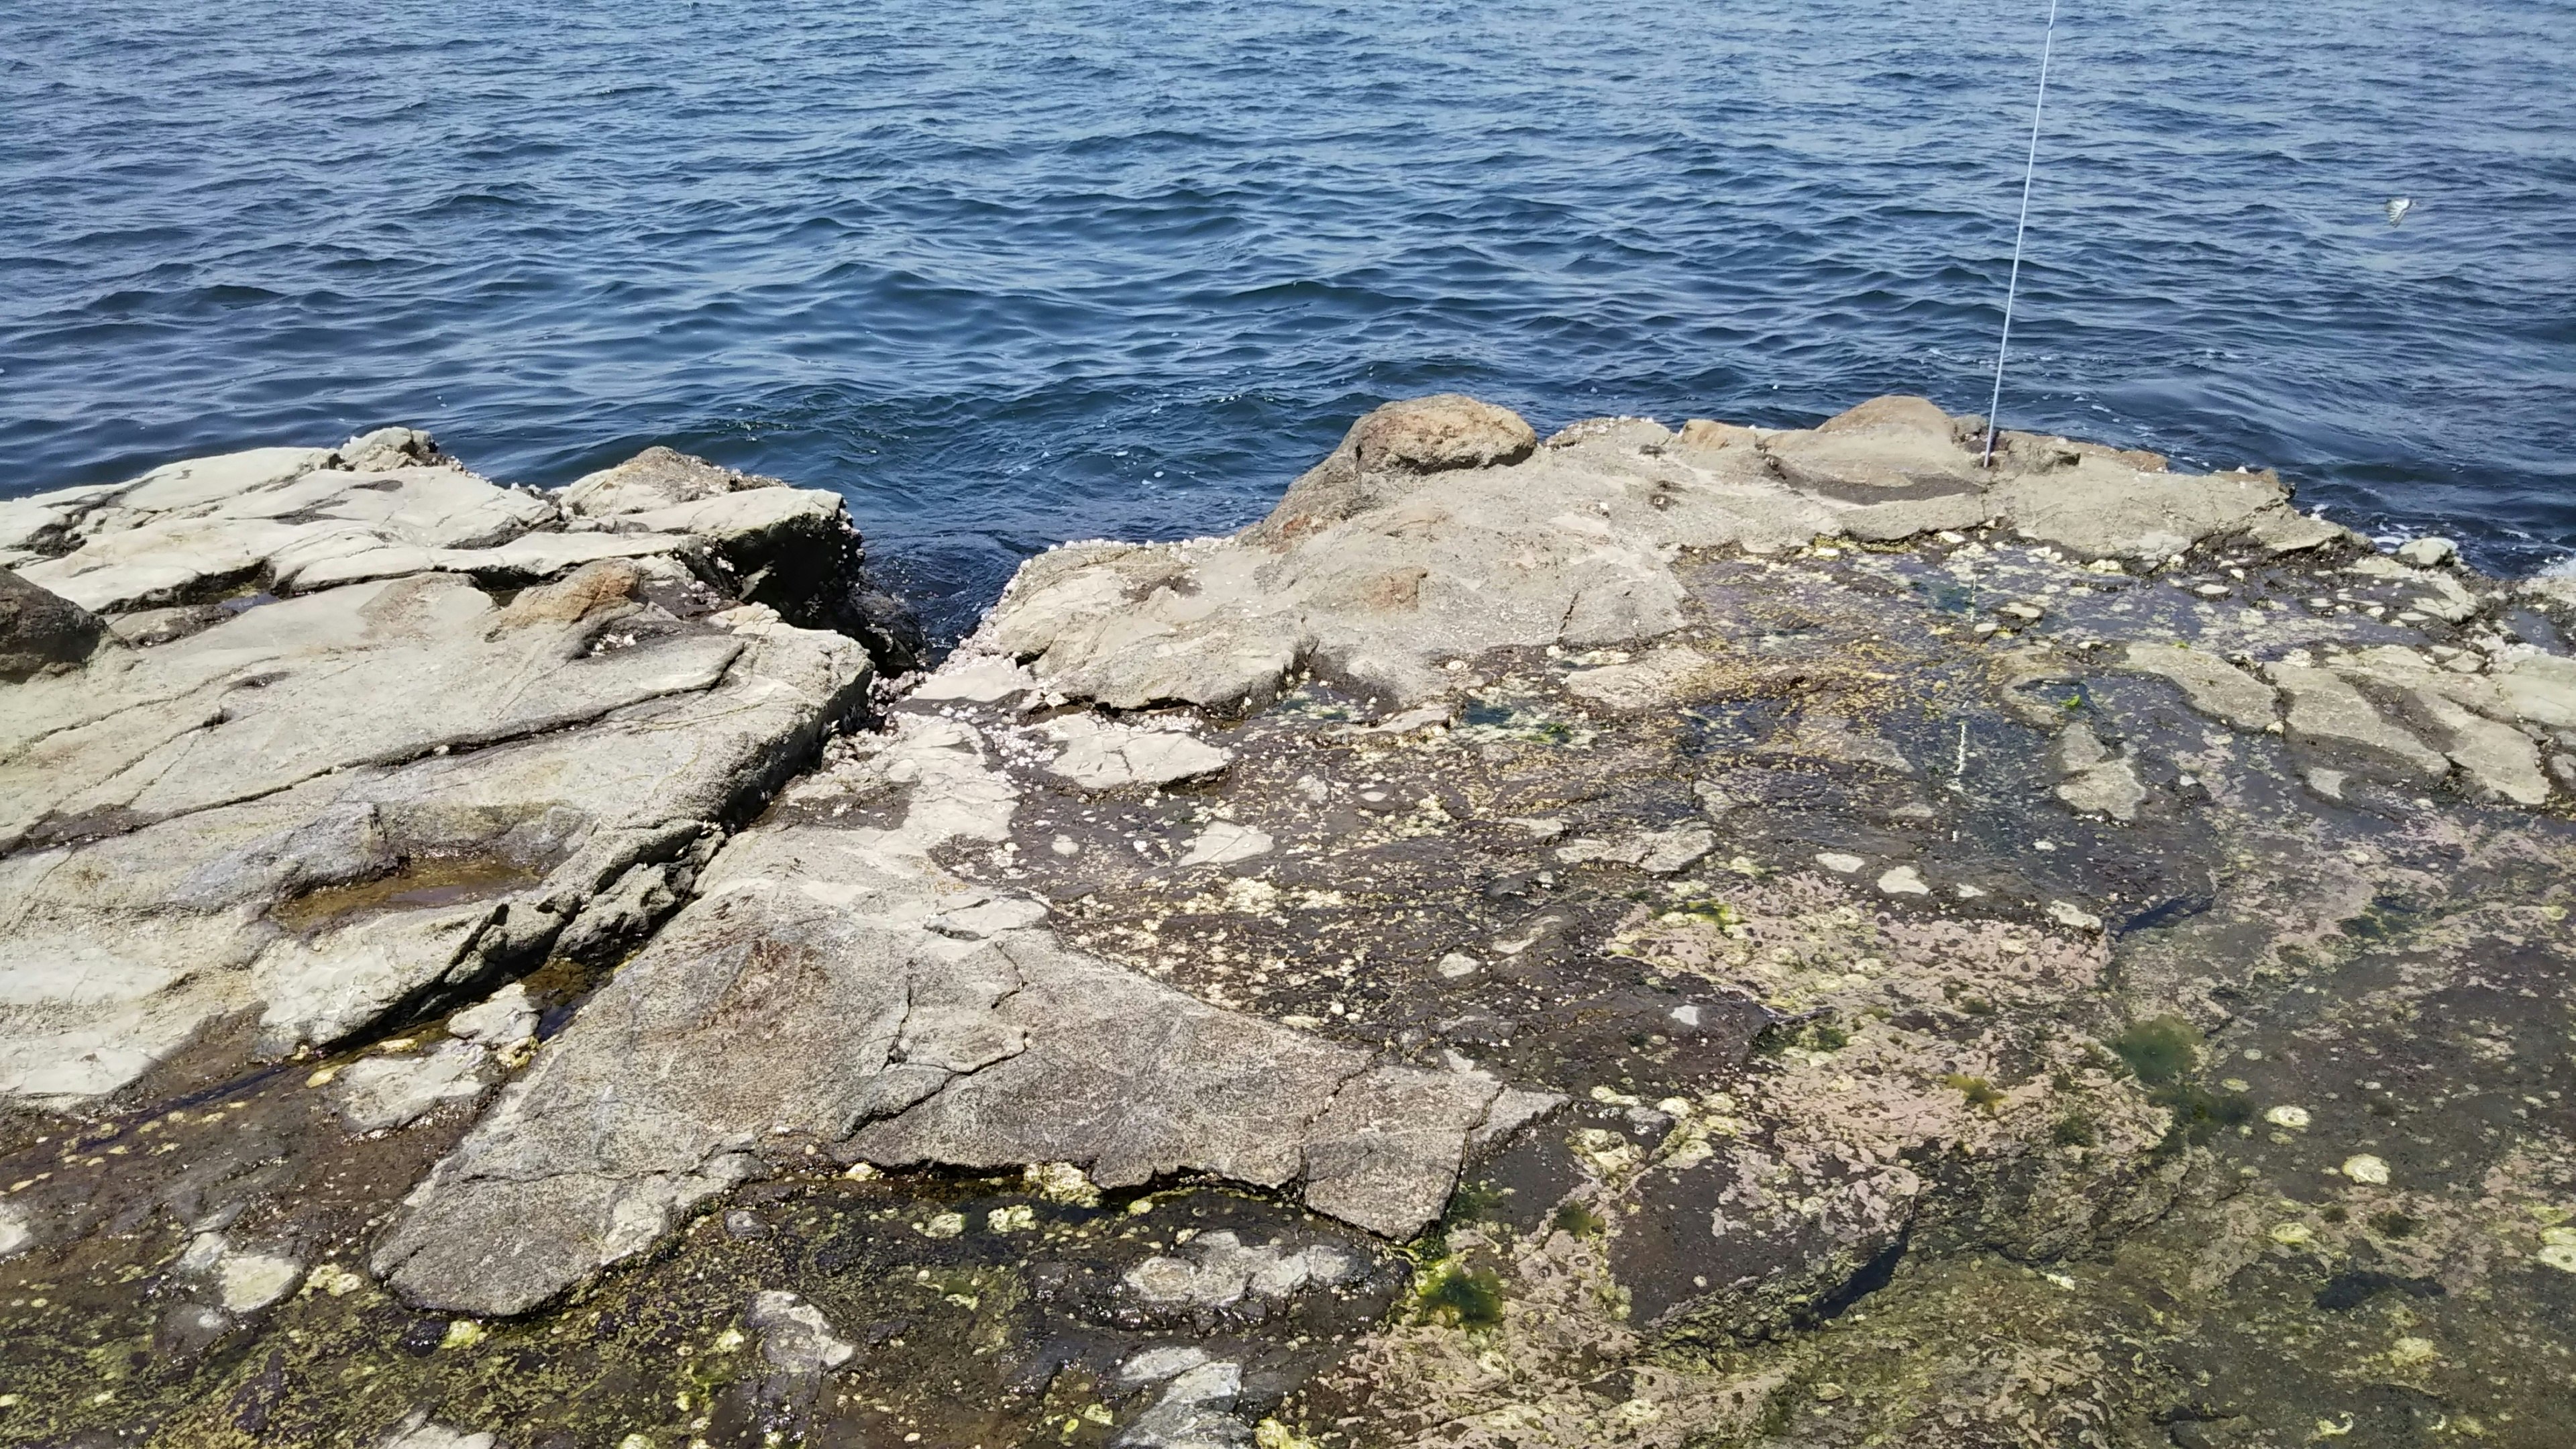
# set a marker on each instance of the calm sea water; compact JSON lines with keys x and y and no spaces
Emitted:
{"x":1008,"y":273}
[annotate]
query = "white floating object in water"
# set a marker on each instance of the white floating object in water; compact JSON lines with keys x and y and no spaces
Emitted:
{"x":2398,"y":206}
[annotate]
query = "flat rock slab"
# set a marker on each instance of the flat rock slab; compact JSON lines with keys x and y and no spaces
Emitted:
{"x":317,"y":803}
{"x":821,"y":993}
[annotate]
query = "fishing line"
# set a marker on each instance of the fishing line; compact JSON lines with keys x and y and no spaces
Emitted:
{"x":2030,"y":167}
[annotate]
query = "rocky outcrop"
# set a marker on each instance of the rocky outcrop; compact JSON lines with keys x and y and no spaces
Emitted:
{"x":1435,"y":531}
{"x":355,"y":741}
{"x":1503,"y":951}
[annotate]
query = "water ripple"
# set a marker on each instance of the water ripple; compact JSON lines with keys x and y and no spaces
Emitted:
{"x":1005,"y":274}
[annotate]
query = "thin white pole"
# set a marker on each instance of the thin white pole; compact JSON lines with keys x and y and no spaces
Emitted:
{"x":2030,"y":168}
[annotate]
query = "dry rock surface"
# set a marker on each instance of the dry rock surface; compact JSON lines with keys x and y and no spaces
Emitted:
{"x":1658,"y":936}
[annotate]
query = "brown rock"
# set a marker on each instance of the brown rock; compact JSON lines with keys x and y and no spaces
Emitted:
{"x":1898,"y":412}
{"x":1708,"y":433}
{"x":1447,"y":430}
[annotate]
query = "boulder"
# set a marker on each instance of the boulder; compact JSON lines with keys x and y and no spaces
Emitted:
{"x":41,"y":630}
{"x":1433,"y":434}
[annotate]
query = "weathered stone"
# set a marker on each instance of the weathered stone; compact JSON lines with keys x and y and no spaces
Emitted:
{"x":2215,"y":687}
{"x":194,"y":829}
{"x":1711,"y":434}
{"x":1903,"y":444}
{"x":2427,"y":553}
{"x":1099,"y":755}
{"x":242,"y":1281}
{"x":383,"y":1092}
{"x":1652,"y":679}
{"x":1218,"y":1270}
{"x":1225,"y":843}
{"x":813,"y":949}
{"x":1433,"y":434}
{"x":508,"y":1016}
{"x":420,"y":1432}
{"x":41,"y":631}
{"x":2103,"y":509}
{"x":795,"y":1338}
{"x":2282,"y":530}
{"x":1900,"y":1009}
{"x":2108,"y":788}
{"x":2330,"y":717}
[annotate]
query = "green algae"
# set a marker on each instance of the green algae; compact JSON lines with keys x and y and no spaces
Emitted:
{"x":1462,"y":1296}
{"x":1983,"y":1095}
{"x":1575,"y":1218}
{"x":2159,"y":1050}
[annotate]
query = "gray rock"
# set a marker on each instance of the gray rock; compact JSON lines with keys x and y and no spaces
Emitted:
{"x":1657,"y":852}
{"x":982,"y":678}
{"x":1390,"y":447}
{"x":1225,"y":843}
{"x":1217,"y":1270}
{"x":2540,"y":688}
{"x":1157,"y":1364}
{"x":1099,"y":755}
{"x":389,"y":448}
{"x":1652,"y":679}
{"x":795,"y":1338}
{"x":243,"y":1281}
{"x":1383,"y":575}
{"x":15,"y":1234}
{"x":2215,"y":687}
{"x":352,"y":801}
{"x":1886,"y":445}
{"x":1192,"y":1413}
{"x":812,"y":952}
{"x":385,"y":1092}
{"x":2283,"y":530}
{"x":505,"y":1017}
{"x":41,"y":631}
{"x":2331,"y":718}
{"x":2455,"y":715}
{"x":2109,"y":788}
{"x":2102,"y":509}
{"x":419,"y":1431}
{"x":2427,"y":553}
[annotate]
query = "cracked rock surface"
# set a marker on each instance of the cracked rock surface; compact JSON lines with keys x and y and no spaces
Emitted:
{"x":284,"y":806}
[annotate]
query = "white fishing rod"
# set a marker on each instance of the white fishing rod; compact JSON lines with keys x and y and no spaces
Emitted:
{"x":2030,"y":168}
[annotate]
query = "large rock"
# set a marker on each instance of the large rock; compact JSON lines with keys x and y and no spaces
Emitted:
{"x":1384,"y":454}
{"x":358,"y":801}
{"x":41,"y":631}
{"x":837,"y":986}
{"x":1709,"y":912}
{"x":1377,"y":571}
{"x":793,"y":549}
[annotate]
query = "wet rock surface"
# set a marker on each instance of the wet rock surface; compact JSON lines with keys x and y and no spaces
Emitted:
{"x":1698,"y":936}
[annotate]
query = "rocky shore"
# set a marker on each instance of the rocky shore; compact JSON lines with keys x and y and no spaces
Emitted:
{"x":1663,"y":937}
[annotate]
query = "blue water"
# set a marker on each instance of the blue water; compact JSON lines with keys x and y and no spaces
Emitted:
{"x":1010,"y":273}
